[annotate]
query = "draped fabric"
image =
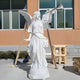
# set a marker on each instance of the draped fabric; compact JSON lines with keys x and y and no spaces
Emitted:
{"x":36,"y":50}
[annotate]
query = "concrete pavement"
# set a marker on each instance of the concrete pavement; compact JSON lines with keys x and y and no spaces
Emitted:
{"x":20,"y":72}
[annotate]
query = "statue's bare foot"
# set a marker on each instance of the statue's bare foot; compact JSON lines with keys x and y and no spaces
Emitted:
{"x":30,"y":79}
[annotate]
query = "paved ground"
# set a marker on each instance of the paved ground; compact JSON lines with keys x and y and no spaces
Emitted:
{"x":20,"y":72}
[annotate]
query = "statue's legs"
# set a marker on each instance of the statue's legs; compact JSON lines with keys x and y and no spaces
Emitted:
{"x":30,"y":79}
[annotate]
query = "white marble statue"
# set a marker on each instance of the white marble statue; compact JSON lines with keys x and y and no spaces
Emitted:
{"x":37,"y":43}
{"x":36,"y":49}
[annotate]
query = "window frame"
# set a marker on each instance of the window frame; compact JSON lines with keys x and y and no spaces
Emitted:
{"x":55,"y":17}
{"x":10,"y":17}
{"x":10,"y":20}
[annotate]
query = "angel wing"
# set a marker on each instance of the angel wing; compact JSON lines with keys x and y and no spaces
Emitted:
{"x":47,"y":17}
{"x":26,"y":15}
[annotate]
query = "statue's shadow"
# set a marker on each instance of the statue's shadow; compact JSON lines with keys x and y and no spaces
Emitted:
{"x":24,"y":66}
{"x":70,"y":69}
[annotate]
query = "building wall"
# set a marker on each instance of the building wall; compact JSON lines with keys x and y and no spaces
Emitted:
{"x":76,"y":14}
{"x":12,"y":37}
{"x":32,"y":5}
{"x":69,"y":37}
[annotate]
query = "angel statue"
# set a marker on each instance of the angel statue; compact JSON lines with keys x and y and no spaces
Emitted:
{"x":38,"y":42}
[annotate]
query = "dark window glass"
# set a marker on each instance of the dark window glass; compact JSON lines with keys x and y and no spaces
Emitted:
{"x":66,"y":3}
{"x":0,"y":21}
{"x":15,"y":20}
{"x":60,"y":18}
{"x":5,"y":19}
{"x":69,"y":18}
{"x":4,"y":4}
{"x":22,"y":21}
{"x":42,"y":12}
{"x":47,"y":3}
{"x":19,"y":4}
{"x":52,"y":23}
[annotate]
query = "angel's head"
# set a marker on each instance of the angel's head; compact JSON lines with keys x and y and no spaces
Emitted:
{"x":36,"y":15}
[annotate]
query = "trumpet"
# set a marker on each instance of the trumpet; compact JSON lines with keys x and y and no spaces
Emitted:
{"x":60,"y":6}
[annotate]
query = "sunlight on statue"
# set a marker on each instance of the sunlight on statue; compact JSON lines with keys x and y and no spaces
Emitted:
{"x":37,"y":43}
{"x":36,"y":48}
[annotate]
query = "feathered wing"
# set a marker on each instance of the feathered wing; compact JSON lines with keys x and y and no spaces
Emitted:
{"x":46,"y":19}
{"x":27,"y":16}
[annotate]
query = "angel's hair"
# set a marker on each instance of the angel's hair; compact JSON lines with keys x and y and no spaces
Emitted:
{"x":36,"y":15}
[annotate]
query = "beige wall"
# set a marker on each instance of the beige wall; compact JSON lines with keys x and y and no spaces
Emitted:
{"x":65,"y":37}
{"x":13,"y":37}
{"x":76,"y":14}
{"x":32,"y":5}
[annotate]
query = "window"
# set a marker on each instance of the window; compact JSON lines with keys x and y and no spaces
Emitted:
{"x":22,"y":21}
{"x":18,"y":4}
{"x":5,"y":19}
{"x":13,"y":4}
{"x":15,"y":20}
{"x":66,"y":3}
{"x":61,"y":19}
{"x":10,"y":18}
{"x":47,"y":3}
{"x":0,"y":21}
{"x":68,"y":18}
{"x":4,"y":4}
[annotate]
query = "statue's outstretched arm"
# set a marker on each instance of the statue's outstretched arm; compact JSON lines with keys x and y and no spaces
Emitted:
{"x":29,"y":37}
{"x":46,"y":19}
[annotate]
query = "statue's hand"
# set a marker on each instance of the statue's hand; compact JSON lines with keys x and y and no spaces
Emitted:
{"x":27,"y":39}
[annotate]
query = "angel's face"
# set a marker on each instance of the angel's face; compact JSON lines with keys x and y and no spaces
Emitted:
{"x":36,"y":15}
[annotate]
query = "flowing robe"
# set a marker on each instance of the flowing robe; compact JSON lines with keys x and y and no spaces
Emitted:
{"x":36,"y":50}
